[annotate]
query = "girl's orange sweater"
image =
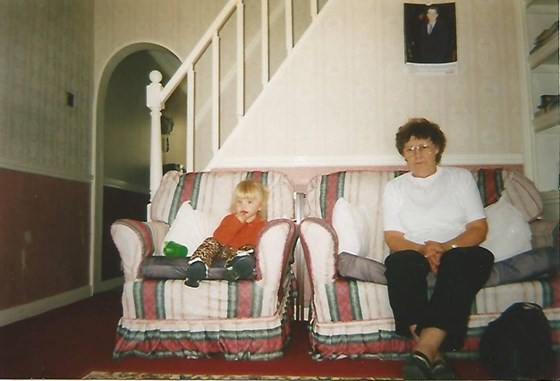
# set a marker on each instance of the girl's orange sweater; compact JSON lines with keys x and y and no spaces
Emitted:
{"x":235,"y":233}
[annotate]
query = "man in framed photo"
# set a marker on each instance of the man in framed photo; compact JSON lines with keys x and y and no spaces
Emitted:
{"x":429,"y":36}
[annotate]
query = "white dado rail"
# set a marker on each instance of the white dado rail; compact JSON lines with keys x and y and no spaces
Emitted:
{"x":157,"y":94}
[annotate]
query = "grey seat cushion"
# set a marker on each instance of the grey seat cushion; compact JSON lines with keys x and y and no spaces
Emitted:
{"x":525,"y":266}
{"x":161,"y":267}
{"x":361,"y":268}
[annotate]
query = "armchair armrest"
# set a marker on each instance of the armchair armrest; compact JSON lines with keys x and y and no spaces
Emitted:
{"x":135,"y":240}
{"x":274,"y":252}
{"x":320,"y":246}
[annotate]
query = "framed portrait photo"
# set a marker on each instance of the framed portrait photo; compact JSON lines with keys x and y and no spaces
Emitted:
{"x":430,"y":37}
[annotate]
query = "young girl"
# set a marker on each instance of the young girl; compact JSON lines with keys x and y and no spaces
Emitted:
{"x":236,"y":237}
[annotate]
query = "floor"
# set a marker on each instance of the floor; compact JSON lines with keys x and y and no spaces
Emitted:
{"x":72,"y":341}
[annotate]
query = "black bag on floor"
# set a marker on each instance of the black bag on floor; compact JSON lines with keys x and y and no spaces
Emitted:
{"x":517,"y":344}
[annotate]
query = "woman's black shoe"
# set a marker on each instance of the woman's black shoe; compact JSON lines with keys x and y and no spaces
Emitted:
{"x":441,"y":370}
{"x":417,"y":367}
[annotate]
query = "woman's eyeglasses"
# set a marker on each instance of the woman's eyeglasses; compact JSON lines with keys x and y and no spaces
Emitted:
{"x":409,"y":151}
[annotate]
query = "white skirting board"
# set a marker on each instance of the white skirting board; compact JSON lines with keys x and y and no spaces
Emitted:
{"x":24,"y":311}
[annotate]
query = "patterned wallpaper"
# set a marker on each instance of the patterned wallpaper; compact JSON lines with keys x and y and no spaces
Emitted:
{"x":46,"y":51}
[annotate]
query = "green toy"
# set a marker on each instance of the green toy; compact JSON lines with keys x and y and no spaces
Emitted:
{"x":174,"y":249}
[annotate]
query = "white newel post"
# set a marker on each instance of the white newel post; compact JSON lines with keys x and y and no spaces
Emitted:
{"x":154,"y":103}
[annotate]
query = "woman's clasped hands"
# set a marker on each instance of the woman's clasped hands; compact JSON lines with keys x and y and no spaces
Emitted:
{"x":433,"y":251}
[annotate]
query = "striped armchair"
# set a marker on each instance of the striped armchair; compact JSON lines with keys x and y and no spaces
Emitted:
{"x":353,"y":318}
{"x":247,"y":319}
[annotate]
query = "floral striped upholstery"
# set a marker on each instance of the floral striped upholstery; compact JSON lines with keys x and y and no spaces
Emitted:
{"x":210,"y":192}
{"x":354,"y":318}
{"x":248,"y":319}
{"x":244,"y":300}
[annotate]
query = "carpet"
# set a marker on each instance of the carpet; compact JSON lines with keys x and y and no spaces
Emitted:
{"x":97,"y":375}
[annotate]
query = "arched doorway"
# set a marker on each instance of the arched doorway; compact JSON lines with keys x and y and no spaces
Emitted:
{"x":123,"y":147}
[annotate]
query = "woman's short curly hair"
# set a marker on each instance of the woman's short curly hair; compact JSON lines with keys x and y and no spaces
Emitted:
{"x":421,"y":128}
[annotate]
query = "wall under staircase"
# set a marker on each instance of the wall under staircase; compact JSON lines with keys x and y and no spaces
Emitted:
{"x":341,"y":94}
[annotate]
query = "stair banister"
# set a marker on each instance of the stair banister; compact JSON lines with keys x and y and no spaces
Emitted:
{"x":264,"y":43}
{"x":240,"y":61}
{"x":155,"y":104}
{"x":157,"y":94}
{"x":215,"y":93}
{"x":289,"y":19}
{"x":199,"y":49}
{"x":189,"y":136}
{"x":314,"y":9}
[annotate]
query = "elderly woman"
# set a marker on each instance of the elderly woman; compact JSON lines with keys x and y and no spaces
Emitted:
{"x":433,"y":221}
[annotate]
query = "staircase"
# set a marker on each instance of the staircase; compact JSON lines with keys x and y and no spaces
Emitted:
{"x":225,"y":71}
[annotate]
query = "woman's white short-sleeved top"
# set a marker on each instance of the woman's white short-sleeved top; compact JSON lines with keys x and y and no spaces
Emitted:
{"x":435,"y":208}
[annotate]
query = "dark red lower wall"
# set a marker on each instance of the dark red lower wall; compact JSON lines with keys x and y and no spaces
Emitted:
{"x":118,"y":203}
{"x":44,"y":236}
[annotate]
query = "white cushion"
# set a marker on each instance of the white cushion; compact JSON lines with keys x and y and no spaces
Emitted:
{"x":191,"y":227}
{"x":508,"y":232}
{"x":351,"y":225}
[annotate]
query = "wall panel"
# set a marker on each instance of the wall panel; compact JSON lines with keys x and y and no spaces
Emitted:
{"x":44,"y":235}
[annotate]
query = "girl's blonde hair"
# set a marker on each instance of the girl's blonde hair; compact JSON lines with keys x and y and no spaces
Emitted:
{"x":251,"y":189}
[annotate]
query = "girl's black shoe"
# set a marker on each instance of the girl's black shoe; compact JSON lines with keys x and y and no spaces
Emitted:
{"x":196,"y":271}
{"x":240,"y":267}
